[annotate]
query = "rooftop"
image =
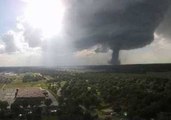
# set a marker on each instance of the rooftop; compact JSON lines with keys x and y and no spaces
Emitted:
{"x":30,"y":93}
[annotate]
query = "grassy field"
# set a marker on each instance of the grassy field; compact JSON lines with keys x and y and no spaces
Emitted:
{"x":28,"y":84}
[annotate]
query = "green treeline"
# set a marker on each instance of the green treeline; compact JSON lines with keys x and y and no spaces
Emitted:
{"x":84,"y":95}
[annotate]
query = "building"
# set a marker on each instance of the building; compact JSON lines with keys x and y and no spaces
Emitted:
{"x":31,"y":95}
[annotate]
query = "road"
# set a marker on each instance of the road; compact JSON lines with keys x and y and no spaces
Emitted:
{"x":54,"y":101}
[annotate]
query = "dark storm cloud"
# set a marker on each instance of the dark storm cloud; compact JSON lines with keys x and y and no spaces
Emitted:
{"x":119,"y":24}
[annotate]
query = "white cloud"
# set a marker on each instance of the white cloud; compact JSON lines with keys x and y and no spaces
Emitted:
{"x":19,"y":59}
{"x":9,"y":42}
{"x":2,"y":47}
{"x":85,"y":53}
{"x":90,"y":57}
{"x":33,"y":36}
{"x":15,"y":50}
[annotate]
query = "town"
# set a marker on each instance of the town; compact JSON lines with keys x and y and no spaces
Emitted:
{"x":62,"y":95}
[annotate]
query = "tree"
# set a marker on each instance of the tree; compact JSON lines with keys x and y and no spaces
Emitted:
{"x":3,"y":105}
{"x":48,"y":102}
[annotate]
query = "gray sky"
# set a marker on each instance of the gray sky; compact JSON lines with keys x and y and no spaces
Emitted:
{"x":87,"y":32}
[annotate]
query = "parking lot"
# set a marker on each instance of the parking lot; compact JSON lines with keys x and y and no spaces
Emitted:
{"x":7,"y":94}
